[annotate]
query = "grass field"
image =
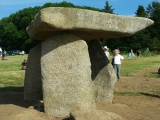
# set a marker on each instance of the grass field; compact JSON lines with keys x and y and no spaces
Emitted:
{"x":134,"y":65}
{"x":12,"y":77}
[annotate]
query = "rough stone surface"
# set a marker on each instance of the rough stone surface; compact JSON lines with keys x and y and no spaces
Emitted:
{"x":33,"y":82}
{"x":86,"y":24}
{"x":66,"y":75}
{"x":103,"y":74}
{"x":94,"y":115}
{"x":29,"y":115}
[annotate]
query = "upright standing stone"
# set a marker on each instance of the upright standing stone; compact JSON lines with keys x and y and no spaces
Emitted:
{"x":66,"y":75}
{"x":103,"y":74}
{"x":33,"y":82}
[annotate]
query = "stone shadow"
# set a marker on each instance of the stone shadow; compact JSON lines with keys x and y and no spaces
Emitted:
{"x":150,"y":95}
{"x":14,"y":95}
{"x":97,"y":57}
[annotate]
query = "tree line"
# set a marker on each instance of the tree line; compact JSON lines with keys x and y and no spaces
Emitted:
{"x":149,"y":37}
{"x":13,"y":28}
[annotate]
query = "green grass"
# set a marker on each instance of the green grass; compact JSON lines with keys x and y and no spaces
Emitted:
{"x":154,"y":75}
{"x":11,"y":75}
{"x":134,"y":65}
{"x":127,"y":93}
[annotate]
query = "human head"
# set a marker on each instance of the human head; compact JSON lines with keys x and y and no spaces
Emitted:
{"x":25,"y":60}
{"x":116,"y":51}
{"x":106,"y":48}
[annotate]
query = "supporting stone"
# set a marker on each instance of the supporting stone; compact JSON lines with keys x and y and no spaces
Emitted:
{"x":103,"y":74}
{"x":33,"y":82}
{"x":66,"y":75}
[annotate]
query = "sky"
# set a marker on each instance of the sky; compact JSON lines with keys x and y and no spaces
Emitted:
{"x":122,"y":7}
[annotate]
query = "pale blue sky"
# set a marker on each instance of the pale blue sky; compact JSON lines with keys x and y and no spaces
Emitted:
{"x":122,"y":7}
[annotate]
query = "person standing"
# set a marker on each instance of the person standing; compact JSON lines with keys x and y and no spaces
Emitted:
{"x":129,"y":56}
{"x":132,"y":53}
{"x":147,"y":50}
{"x":116,"y":62}
{"x":4,"y":55}
{"x":23,"y":53}
{"x":106,"y":51}
{"x":138,"y":53}
{"x":24,"y":64}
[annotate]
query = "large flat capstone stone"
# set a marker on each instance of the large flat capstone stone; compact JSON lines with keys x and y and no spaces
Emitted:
{"x":86,"y":24}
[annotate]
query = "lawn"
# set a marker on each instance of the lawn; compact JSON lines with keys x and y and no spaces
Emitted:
{"x":134,"y":65}
{"x":12,"y":77}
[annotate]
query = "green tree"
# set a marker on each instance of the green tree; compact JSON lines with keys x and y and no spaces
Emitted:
{"x":152,"y":8}
{"x":153,"y":11}
{"x":149,"y":37}
{"x":13,"y":28}
{"x":141,"y":12}
{"x":61,"y":4}
{"x":108,"y":8}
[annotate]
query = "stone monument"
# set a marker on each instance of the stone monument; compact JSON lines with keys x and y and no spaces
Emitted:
{"x":74,"y":75}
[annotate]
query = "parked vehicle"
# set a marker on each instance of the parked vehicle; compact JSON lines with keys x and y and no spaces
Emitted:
{"x":17,"y":52}
{"x":10,"y":53}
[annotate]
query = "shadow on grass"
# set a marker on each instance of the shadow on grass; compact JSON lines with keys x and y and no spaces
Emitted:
{"x":12,"y":88}
{"x":150,"y":95}
{"x":136,"y":94}
{"x":14,"y":95}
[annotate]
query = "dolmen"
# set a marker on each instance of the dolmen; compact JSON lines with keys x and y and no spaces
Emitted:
{"x":63,"y":70}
